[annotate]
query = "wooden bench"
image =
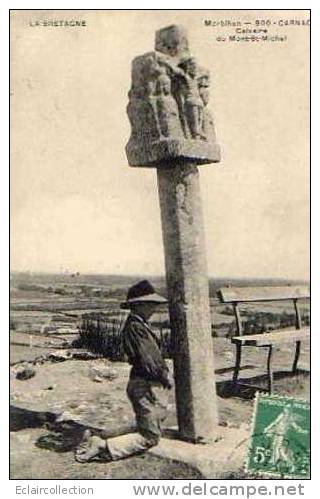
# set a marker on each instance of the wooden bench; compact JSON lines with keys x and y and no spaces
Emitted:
{"x":236,"y":296}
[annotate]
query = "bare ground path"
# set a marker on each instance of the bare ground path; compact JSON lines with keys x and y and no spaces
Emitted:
{"x":68,"y":388}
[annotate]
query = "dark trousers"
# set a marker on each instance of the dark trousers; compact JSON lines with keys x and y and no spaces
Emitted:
{"x":150,"y":407}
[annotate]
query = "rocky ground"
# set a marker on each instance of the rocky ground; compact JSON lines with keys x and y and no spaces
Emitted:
{"x":91,"y":393}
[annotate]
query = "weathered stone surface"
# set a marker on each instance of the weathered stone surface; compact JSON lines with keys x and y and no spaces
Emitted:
{"x":101,"y":373}
{"x":172,"y":40}
{"x":25,"y":373}
{"x":175,"y":151}
{"x":222,"y":459}
{"x":58,"y":356}
{"x":84,"y":355}
{"x":168,"y":105}
{"x":188,"y":293}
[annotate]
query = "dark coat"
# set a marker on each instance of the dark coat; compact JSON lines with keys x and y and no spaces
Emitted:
{"x":141,"y":346}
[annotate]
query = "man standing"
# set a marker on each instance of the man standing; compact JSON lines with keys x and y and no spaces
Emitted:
{"x":149,"y":372}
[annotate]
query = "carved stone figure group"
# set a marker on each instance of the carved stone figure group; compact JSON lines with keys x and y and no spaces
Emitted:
{"x":168,"y":99}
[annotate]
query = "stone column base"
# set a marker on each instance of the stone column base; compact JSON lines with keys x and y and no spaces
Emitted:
{"x":223,"y":459}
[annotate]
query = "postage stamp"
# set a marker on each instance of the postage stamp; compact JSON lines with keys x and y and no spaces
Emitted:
{"x":280,"y":438}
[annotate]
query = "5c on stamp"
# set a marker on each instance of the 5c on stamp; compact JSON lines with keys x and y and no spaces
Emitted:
{"x":280,"y":439}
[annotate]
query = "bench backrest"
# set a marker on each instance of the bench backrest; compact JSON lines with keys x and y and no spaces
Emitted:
{"x":263,"y":293}
{"x":238,"y":295}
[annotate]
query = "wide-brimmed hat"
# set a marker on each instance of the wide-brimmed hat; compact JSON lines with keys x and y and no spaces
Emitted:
{"x":142,"y":292}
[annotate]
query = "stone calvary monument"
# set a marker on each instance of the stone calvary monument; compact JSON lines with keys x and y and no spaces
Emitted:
{"x":173,"y":131}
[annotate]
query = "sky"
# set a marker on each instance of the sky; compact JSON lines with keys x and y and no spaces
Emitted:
{"x":76,"y":204}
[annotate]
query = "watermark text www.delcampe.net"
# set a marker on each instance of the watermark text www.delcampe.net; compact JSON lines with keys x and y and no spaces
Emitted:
{"x":205,"y":489}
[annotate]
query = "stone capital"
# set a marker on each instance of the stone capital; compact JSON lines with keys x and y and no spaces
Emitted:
{"x":167,"y":109}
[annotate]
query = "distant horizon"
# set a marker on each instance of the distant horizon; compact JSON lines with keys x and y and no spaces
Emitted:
{"x":155,"y":275}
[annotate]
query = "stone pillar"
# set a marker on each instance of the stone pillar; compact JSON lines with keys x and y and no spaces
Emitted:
{"x":187,"y":284}
{"x":172,"y":131}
